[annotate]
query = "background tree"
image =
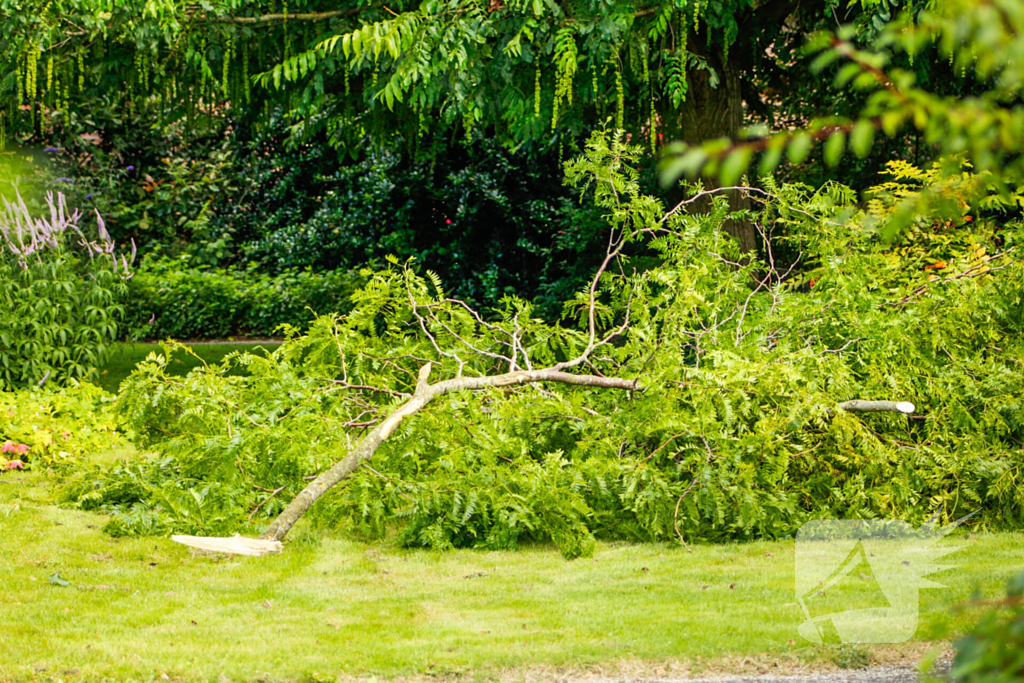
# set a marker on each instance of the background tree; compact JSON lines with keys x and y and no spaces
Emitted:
{"x":981,"y":127}
{"x":532,"y":74}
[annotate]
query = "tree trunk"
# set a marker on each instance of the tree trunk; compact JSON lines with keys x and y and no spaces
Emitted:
{"x":716,"y":112}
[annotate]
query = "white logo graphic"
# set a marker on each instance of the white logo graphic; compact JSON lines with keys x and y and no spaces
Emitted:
{"x":857,"y":581}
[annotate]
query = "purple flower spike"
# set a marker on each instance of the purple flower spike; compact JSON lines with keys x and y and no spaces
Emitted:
{"x":64,"y":180}
{"x":104,"y":235}
{"x":89,"y":196}
{"x":131,"y":168}
{"x":51,"y":150}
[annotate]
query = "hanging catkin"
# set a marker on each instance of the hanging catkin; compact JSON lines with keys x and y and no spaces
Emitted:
{"x":203,"y":66}
{"x":287,"y":38}
{"x":536,"y":92}
{"x":228,"y":52}
{"x":245,"y":70}
{"x":620,"y":99}
{"x":654,"y":125}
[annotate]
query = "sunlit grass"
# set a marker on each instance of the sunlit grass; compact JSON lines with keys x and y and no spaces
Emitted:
{"x":141,"y":607}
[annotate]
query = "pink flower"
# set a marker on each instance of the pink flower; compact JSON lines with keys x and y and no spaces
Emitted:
{"x":11,"y":447}
{"x":15,"y":465}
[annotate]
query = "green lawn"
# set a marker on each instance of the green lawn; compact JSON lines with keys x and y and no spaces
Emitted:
{"x":138,"y":608}
{"x":126,"y":355}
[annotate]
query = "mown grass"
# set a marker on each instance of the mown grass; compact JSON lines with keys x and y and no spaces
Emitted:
{"x":126,"y":355}
{"x":141,"y":608}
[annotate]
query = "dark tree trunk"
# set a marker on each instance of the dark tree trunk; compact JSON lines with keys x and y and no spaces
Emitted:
{"x":716,"y":112}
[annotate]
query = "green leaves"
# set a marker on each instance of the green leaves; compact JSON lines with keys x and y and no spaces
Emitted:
{"x":734,"y":166}
{"x":834,"y":147}
{"x":986,"y":130}
{"x":862,"y":137}
{"x":799,"y":147}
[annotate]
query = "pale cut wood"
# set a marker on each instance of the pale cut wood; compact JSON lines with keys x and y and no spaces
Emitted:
{"x":862,"y":406}
{"x":233,"y":545}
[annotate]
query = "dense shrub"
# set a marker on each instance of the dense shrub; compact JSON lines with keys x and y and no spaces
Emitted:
{"x":60,"y":295}
{"x":170,"y":298}
{"x":492,"y":221}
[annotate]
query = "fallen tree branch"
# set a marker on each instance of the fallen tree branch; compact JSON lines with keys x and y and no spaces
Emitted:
{"x":978,"y":269}
{"x":424,"y":394}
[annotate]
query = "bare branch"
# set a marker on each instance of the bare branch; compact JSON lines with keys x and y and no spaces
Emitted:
{"x":266,"y":19}
{"x":862,"y":406}
{"x":614,"y":249}
{"x":977,"y":270}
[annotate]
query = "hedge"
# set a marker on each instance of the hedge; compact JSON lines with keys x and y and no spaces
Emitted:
{"x":169,"y":298}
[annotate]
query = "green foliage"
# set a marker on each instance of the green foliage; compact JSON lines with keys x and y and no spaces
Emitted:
{"x":60,"y":295}
{"x":492,"y":221}
{"x":172,"y":298}
{"x":994,"y":650}
{"x":983,"y":39}
{"x":519,"y":71}
{"x":734,"y":433}
{"x":158,"y":185}
{"x":59,"y":426}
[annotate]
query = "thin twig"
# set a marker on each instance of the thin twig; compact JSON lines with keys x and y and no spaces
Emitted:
{"x":257,"y":508}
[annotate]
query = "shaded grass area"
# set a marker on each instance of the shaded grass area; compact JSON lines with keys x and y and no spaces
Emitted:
{"x":126,"y":355}
{"x":139,"y":608}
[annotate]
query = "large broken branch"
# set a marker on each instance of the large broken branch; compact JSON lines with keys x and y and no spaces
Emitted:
{"x":424,"y":394}
{"x":431,"y":324}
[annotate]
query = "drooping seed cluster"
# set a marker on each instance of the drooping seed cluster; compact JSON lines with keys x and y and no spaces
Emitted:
{"x":24,"y":236}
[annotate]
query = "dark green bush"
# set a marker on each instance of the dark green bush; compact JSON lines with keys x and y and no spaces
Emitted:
{"x":172,"y":299}
{"x":489,"y":221}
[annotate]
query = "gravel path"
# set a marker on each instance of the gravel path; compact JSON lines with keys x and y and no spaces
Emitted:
{"x":872,"y":674}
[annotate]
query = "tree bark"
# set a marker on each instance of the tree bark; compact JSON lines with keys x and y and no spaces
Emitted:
{"x":712,"y":112}
{"x":277,"y":18}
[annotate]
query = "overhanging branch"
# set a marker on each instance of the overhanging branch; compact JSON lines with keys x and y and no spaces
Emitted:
{"x":278,"y":18}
